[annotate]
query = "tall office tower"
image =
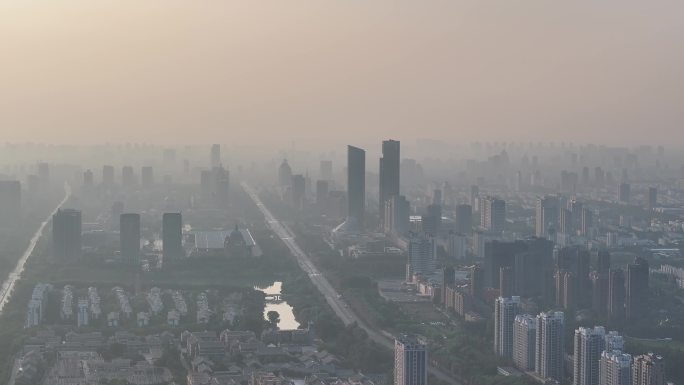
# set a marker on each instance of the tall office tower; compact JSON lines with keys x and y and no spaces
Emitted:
{"x":284,"y":174}
{"x":529,"y":266}
{"x":389,"y":173}
{"x":116,"y":211}
{"x":432,"y":221}
{"x":456,"y":245}
{"x":585,"y":176}
{"x":506,"y":284}
{"x":421,"y":256}
{"x":129,"y":234}
{"x":497,"y":255}
{"x":530,"y":259}
{"x":172,"y":236}
{"x":108,"y":175}
{"x":215,"y":157}
{"x":322,"y":190}
{"x":397,"y":212}
{"x":524,"y":341}
{"x":298,"y":191}
{"x":475,"y":197}
{"x":599,"y":292}
{"x":44,"y":172}
{"x":410,"y":361}
{"x":599,"y":177}
{"x":326,"y":170}
{"x":66,"y":234}
{"x":448,"y":275}
{"x":565,"y":223}
{"x":636,"y":288}
{"x":147,"y":176}
{"x":652,"y":198}
{"x":615,"y":368}
{"x":603,"y":261}
{"x":128,"y":176}
{"x":206,"y":183}
{"x":88,"y":179}
{"x":624,"y":192}
{"x":616,"y":294}
{"x":577,"y":260}
{"x":648,"y":369}
{"x":565,"y":289}
{"x":587,"y":222}
{"x":10,"y":202}
{"x":569,"y":182}
{"x":464,"y":219}
{"x":548,"y":209}
{"x":589,"y":343}
{"x":437,"y":197}
{"x":221,"y":179}
{"x":505,"y":310}
{"x":356,"y":186}
{"x":550,"y":345}
{"x":476,"y":281}
{"x":83,"y":314}
{"x":493,"y":214}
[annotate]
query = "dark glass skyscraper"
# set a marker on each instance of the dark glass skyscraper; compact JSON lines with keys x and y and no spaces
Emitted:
{"x":389,"y":173}
{"x":130,"y":238}
{"x":636,"y":288}
{"x":66,"y":234}
{"x":356,"y":185}
{"x":172,"y":235}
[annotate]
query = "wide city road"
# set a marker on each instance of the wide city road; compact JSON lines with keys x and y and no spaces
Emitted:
{"x":8,"y":285}
{"x":333,"y":298}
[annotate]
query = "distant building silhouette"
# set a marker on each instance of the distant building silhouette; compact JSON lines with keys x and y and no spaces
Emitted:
{"x":66,"y":234}
{"x":108,"y":175}
{"x":464,"y":219}
{"x":215,"y":156}
{"x":172,"y":236}
{"x":130,"y":238}
{"x":147,"y":176}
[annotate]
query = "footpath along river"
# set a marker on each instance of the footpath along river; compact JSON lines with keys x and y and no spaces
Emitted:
{"x":15,"y":275}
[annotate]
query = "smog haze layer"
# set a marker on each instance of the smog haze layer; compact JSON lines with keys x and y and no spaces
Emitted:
{"x":316,"y":72}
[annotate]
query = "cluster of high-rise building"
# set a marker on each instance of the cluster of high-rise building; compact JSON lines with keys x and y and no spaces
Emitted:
{"x":536,"y":344}
{"x":67,"y":236}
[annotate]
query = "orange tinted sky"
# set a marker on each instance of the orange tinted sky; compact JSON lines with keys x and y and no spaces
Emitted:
{"x":217,"y":70}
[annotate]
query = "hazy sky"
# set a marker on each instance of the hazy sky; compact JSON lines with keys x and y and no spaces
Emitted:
{"x":204,"y":71}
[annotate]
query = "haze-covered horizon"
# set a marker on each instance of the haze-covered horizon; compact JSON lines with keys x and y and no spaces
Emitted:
{"x":318,"y":73}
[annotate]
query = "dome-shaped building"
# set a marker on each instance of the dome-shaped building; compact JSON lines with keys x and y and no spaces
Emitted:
{"x":236,"y":245}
